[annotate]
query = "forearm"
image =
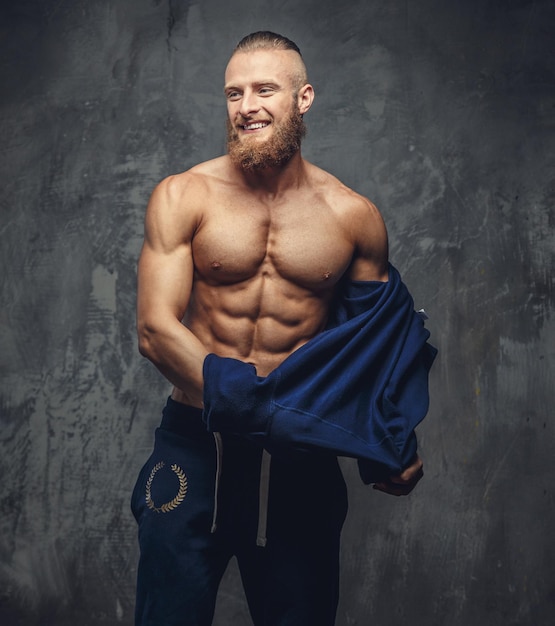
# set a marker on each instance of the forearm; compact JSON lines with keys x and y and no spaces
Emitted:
{"x":177,"y":353}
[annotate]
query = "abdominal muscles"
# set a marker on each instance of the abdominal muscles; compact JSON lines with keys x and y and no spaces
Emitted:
{"x":259,"y":321}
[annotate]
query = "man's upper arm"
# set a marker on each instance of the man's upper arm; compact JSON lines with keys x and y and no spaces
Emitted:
{"x":370,"y":261}
{"x":165,"y":268}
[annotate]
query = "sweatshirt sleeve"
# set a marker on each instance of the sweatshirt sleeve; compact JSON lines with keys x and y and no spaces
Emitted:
{"x":235,"y":398}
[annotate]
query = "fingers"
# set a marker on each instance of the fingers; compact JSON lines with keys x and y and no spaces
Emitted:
{"x":410,"y":474}
{"x":403,"y":483}
{"x":394,"y":490}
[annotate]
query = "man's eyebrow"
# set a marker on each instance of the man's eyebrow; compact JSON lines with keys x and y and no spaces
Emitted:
{"x":270,"y":82}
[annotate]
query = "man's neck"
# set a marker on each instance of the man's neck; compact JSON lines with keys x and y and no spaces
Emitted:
{"x":273,"y":181}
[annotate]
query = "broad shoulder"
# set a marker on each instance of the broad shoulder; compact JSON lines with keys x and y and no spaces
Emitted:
{"x":176,"y":205}
{"x":192,"y":183}
{"x":361,"y":222}
{"x":347,"y":203}
{"x":183,"y":196}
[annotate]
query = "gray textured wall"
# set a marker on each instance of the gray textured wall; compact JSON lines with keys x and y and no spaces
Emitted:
{"x":443,"y":113}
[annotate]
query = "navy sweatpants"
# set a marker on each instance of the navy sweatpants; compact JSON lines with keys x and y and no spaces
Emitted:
{"x":200,"y":499}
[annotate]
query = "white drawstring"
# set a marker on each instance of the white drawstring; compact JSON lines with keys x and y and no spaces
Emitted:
{"x":263,"y":494}
{"x":263,"y":490}
{"x":218,"y":442}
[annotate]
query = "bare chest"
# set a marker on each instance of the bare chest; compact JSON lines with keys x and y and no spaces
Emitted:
{"x":301,"y":244}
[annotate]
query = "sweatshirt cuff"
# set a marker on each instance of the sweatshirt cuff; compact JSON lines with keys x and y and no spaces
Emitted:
{"x":235,"y":398}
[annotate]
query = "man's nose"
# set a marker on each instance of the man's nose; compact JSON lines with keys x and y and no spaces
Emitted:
{"x":249,"y":104}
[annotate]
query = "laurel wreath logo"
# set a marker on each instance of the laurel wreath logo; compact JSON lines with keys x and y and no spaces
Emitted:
{"x":172,"y":504}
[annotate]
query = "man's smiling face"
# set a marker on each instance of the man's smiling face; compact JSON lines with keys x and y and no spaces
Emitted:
{"x":265,"y":124}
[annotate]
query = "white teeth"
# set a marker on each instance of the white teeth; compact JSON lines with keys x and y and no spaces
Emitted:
{"x":254,"y":126}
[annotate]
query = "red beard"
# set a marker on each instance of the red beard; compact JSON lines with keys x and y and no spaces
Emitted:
{"x":252,"y":154}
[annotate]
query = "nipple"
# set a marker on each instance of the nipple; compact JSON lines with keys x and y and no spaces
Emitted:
{"x":326,"y":275}
{"x":215,"y":265}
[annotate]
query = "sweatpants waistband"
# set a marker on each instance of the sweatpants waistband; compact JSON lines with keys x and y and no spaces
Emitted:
{"x":183,"y":419}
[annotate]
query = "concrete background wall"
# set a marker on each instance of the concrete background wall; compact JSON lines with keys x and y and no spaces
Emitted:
{"x":443,"y":113}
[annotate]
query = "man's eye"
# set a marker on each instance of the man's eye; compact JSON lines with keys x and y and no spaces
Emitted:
{"x":233,"y":95}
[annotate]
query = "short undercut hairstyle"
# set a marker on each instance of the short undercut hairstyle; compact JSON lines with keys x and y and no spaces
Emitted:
{"x":266,"y":40}
{"x":263,"y":40}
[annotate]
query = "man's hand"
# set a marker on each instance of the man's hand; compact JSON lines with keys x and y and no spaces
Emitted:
{"x":402,"y":484}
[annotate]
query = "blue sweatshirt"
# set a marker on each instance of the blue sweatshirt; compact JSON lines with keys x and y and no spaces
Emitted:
{"x":357,"y":389}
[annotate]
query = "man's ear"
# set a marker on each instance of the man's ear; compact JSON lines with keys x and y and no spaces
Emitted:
{"x":305,"y":98}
